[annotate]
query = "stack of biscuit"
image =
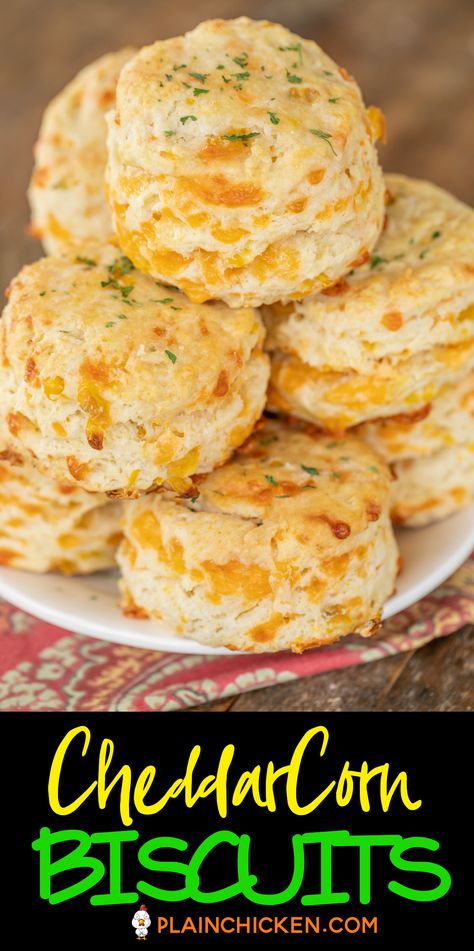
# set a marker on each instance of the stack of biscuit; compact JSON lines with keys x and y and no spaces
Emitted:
{"x":178,"y":190}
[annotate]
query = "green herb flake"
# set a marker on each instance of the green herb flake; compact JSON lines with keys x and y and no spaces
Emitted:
{"x":373,"y":469}
{"x":327,"y":72}
{"x":282,"y":496}
{"x":200,"y":92}
{"x":423,"y":254}
{"x":331,"y":445}
{"x":164,"y":300}
{"x":375,"y":261}
{"x":220,"y":66}
{"x":169,"y":76}
{"x":436,"y":234}
{"x":335,"y":99}
{"x":310,"y":470}
{"x":267,"y":440}
{"x":184,"y":119}
{"x":242,"y":137}
{"x":241,"y":60}
{"x":336,"y":475}
{"x":169,"y":132}
{"x":171,"y":356}
{"x":241,"y":76}
{"x":294,"y":49}
{"x":176,"y":68}
{"x":326,"y":136}
{"x":194,"y":499}
{"x":273,"y":118}
{"x":186,"y":86}
{"x":110,"y":323}
{"x":122,"y":316}
{"x":42,"y":293}
{"x":87,"y":261}
{"x":271,"y":480}
{"x":292,"y":78}
{"x":201,"y":77}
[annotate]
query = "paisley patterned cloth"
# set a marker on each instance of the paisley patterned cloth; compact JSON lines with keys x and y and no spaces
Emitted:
{"x":46,"y":668}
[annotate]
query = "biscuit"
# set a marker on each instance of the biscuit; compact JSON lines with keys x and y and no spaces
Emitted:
{"x":415,"y":293}
{"x":66,"y":191}
{"x":242,"y":164}
{"x":447,"y":421}
{"x":289,"y":545}
{"x":49,"y":526}
{"x":432,"y":487}
{"x":394,"y":333}
{"x":335,"y":401}
{"x":118,"y":384}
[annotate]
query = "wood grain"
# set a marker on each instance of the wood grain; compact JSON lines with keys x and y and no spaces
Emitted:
{"x":414,"y":58}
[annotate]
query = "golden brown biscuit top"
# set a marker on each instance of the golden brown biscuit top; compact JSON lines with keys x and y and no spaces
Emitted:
{"x":88,"y":326}
{"x":229,"y":93}
{"x":314,"y":483}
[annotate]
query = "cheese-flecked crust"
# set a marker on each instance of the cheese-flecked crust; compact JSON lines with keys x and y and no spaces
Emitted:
{"x":447,"y":421}
{"x":49,"y":526}
{"x":415,"y":293}
{"x":335,"y":401}
{"x":242,"y":164}
{"x":289,"y":545}
{"x":116,"y":383}
{"x":66,"y":191}
{"x":432,"y":487}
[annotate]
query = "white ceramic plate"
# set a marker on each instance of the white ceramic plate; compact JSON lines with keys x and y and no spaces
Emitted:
{"x":89,"y":605}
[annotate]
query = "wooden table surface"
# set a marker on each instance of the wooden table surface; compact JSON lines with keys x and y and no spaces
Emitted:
{"x":415,"y":59}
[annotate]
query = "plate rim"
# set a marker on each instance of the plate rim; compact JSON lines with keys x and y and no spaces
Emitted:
{"x":149,"y":640}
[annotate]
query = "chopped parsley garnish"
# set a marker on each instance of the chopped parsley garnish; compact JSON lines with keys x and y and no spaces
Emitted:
{"x":200,"y":92}
{"x":225,"y":79}
{"x":184,"y":119}
{"x":310,"y":470}
{"x":88,"y":261}
{"x":273,"y":118}
{"x":169,"y":132}
{"x":220,"y":66}
{"x":42,"y":293}
{"x":171,"y":356}
{"x":267,"y":440}
{"x":336,"y":475}
{"x":241,"y":60}
{"x":122,"y":316}
{"x":423,"y":254}
{"x":165,"y":300}
{"x":201,"y":77}
{"x":282,"y":496}
{"x":326,"y":136}
{"x":327,"y":72}
{"x":175,"y":68}
{"x":120,"y":266}
{"x":186,"y":86}
{"x":375,"y":261}
{"x":373,"y":469}
{"x":242,"y":136}
{"x":168,"y":77}
{"x":241,"y":75}
{"x":194,"y":499}
{"x":292,"y":78}
{"x":335,"y":99}
{"x":436,"y":234}
{"x":110,"y":323}
{"x":271,"y":480}
{"x":294,"y":49}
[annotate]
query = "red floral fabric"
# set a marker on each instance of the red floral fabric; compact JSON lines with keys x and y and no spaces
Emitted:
{"x":46,"y":668}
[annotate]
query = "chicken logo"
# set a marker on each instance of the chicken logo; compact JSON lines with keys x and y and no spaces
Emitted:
{"x":141,"y":921}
